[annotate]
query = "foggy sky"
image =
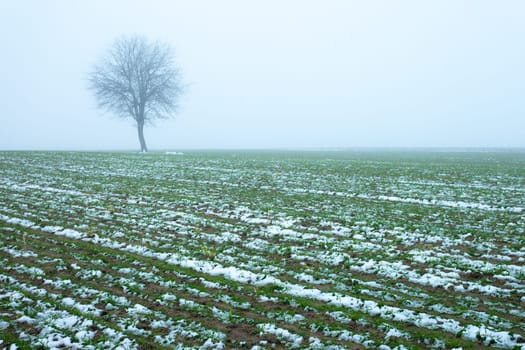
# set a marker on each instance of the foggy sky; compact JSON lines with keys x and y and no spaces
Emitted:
{"x":274,"y":74}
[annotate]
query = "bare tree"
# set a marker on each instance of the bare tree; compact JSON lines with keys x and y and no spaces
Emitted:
{"x":137,"y":79}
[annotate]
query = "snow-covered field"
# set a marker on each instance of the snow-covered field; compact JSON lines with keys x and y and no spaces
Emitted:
{"x":218,"y":250}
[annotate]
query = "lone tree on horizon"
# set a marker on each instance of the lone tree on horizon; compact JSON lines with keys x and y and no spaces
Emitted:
{"x":137,"y":79}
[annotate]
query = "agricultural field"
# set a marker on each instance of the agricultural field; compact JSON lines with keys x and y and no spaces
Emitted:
{"x":262,"y":250}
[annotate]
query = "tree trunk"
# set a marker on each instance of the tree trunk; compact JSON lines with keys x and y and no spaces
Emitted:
{"x":140,"y":127}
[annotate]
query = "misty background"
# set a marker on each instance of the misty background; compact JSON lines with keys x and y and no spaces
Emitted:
{"x":274,"y":74}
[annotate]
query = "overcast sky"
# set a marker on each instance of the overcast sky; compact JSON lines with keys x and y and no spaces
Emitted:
{"x":274,"y":74}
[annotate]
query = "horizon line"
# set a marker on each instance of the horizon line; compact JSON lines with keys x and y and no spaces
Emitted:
{"x":290,"y":149}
